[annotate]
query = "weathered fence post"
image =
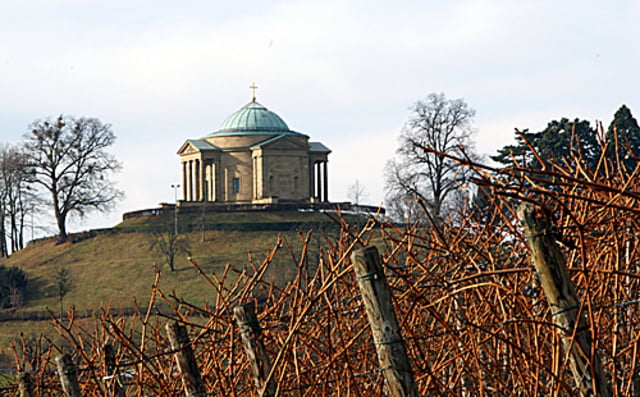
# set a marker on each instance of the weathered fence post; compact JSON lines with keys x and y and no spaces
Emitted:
{"x":376,"y":296}
{"x":250,"y":333}
{"x":112,"y":378}
{"x":563,"y":301}
{"x":185,"y":358}
{"x":25,"y":384}
{"x":68,"y":376}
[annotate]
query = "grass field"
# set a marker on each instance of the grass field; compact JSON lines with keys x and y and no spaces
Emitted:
{"x":111,"y":269}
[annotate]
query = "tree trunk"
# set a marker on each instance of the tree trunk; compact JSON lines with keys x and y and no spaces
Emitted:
{"x":14,"y":232}
{"x":61,"y":218}
{"x":4,"y":252}
{"x":23,"y":214}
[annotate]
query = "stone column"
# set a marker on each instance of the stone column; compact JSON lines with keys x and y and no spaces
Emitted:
{"x":254,"y":165}
{"x":190,"y":166}
{"x":196,"y":180}
{"x":202,"y":182}
{"x":326,"y":181}
{"x":214,"y":181}
{"x":184,"y":180}
{"x":208,"y":180}
{"x":318,"y":181}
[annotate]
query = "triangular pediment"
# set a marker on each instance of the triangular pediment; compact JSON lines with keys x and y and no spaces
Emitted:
{"x":187,"y":148}
{"x":282,"y":142}
{"x":191,"y":146}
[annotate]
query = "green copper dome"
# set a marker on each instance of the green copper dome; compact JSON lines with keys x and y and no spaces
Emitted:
{"x":253,"y":119}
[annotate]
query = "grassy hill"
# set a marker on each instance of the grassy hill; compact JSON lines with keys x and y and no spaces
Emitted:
{"x":111,"y":267}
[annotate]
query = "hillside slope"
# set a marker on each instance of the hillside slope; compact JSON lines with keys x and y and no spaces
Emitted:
{"x":112,"y":266}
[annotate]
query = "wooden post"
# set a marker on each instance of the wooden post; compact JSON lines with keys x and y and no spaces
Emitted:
{"x":376,"y":296}
{"x":563,"y":301}
{"x":68,"y":376}
{"x":25,"y":385}
{"x":112,"y":378}
{"x":250,"y":333}
{"x":185,"y":358}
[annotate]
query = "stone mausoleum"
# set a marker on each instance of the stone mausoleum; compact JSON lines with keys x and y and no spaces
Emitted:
{"x":254,"y":158}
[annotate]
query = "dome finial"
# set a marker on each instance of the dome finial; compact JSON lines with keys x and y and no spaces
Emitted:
{"x":253,"y":87}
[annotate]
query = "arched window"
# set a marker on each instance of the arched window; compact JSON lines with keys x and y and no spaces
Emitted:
{"x":295,"y":184}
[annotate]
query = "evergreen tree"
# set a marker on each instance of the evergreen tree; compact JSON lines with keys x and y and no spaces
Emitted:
{"x":63,"y":285}
{"x":519,"y":153}
{"x":559,"y":141}
{"x":13,"y":282}
{"x":627,"y":142}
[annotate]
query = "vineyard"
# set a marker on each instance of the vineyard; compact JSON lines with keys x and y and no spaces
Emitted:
{"x":472,"y":313}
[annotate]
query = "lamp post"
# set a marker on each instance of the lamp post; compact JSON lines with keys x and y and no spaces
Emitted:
{"x":175,"y":209}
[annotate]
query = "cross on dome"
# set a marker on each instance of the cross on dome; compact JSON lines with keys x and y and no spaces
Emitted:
{"x":253,"y":88}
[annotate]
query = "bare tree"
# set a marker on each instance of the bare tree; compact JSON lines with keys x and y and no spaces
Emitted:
{"x":69,"y":160}
{"x":435,"y":124}
{"x":356,"y":193}
{"x":17,"y":197}
{"x":169,"y":245}
{"x":401,"y":206}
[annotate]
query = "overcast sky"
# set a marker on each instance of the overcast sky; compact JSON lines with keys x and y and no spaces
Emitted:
{"x":343,"y":72}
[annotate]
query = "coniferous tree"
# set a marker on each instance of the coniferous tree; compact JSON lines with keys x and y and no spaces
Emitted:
{"x":63,"y":285}
{"x":564,"y":140}
{"x":623,"y":136}
{"x":559,"y":141}
{"x":13,"y":282}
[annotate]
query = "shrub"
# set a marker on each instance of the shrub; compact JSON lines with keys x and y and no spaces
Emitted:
{"x":12,"y":285}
